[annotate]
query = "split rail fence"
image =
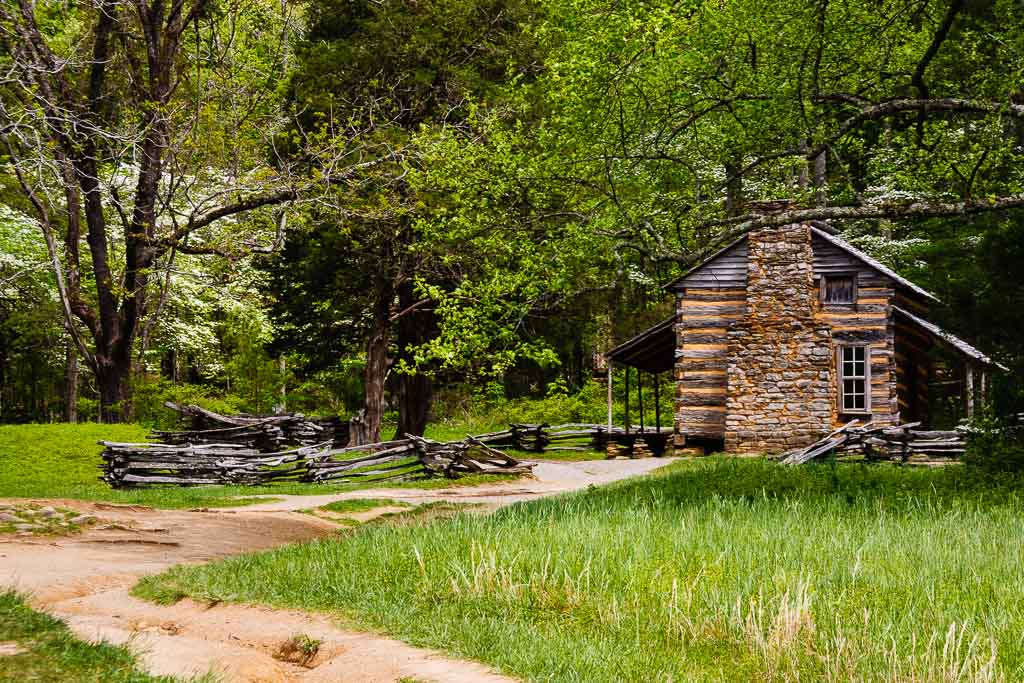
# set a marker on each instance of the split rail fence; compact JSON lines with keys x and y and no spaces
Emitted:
{"x":899,"y":443}
{"x":249,"y":450}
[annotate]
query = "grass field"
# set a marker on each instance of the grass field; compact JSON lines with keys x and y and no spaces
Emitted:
{"x":42,"y":649}
{"x":62,"y":461}
{"x":716,"y":570}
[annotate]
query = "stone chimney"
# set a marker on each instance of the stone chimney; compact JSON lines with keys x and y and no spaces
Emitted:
{"x":781,"y":374}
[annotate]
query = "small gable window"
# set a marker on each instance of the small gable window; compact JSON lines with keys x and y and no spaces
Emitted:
{"x":839,"y":289}
{"x":854,"y":379}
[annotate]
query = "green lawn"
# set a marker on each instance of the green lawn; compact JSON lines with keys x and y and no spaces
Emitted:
{"x":62,"y":461}
{"x":46,"y":651}
{"x":718,"y":569}
{"x":363,"y":505}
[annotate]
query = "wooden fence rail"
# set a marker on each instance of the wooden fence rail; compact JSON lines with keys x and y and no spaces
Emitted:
{"x":264,"y":433}
{"x":248,"y":450}
{"x":900,"y":443}
{"x":130,"y":465}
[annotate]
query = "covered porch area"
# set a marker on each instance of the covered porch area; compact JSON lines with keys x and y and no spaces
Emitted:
{"x":644,"y":359}
{"x":941,"y":379}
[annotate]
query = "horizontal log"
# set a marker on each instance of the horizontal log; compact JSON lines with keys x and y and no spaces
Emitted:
{"x":705,"y":339}
{"x":703,"y":400}
{"x":346,"y":466}
{"x":705,"y":312}
{"x":729,"y":295}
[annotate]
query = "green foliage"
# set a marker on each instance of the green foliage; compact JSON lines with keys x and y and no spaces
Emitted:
{"x":996,"y":445}
{"x":716,"y":570}
{"x":149,"y":398}
{"x":51,"y":654}
{"x":488,"y":408}
{"x":31,"y":336}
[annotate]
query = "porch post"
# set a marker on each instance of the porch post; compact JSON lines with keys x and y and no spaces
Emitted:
{"x":609,"y":398}
{"x":969,"y":389}
{"x":657,"y":404}
{"x":626,"y":406}
{"x":640,"y":396}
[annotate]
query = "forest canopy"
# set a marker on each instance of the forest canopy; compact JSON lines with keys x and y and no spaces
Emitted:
{"x":356,"y":205}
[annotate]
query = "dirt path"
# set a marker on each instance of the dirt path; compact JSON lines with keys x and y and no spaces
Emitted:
{"x":85,"y":579}
{"x":550,"y":478}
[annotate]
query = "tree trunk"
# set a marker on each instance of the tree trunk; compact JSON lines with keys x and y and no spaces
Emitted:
{"x":112,"y":380}
{"x":415,"y":391}
{"x":819,"y":180}
{"x":414,"y":397}
{"x":376,"y":370}
{"x":282,"y":366}
{"x":70,"y":382}
{"x":733,"y":187}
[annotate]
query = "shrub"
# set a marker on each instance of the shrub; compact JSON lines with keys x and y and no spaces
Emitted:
{"x":996,"y":445}
{"x":149,"y":398}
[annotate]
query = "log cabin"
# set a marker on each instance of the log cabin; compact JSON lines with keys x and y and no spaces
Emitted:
{"x":789,"y":332}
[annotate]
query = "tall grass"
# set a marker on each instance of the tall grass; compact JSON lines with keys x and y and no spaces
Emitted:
{"x":718,"y":570}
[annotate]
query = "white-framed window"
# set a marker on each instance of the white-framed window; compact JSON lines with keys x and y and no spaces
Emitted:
{"x":854,"y":379}
{"x":839,"y":289}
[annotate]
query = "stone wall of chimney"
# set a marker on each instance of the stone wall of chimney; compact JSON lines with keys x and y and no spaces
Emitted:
{"x":781,"y":369}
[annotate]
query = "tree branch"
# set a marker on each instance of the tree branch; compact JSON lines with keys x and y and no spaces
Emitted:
{"x":917,"y":80}
{"x":892,"y":211}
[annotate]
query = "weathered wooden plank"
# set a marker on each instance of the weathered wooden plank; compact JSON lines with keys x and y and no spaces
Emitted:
{"x":731,"y":295}
{"x":842,"y":335}
{"x":685,"y":332}
{"x":699,"y":303}
{"x":702,"y":354}
{"x":727,"y":269}
{"x":719,"y":346}
{"x":704,"y":400}
{"x":710,"y":382}
{"x":700,"y":414}
{"x":698,"y":321}
{"x":703,"y":339}
{"x":712,"y":311}
{"x":706,"y":364}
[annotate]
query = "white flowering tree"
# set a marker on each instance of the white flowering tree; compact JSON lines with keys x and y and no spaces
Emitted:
{"x":138,"y":130}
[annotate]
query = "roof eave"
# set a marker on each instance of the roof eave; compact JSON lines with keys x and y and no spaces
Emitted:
{"x":674,"y":284}
{"x":877,"y":265}
{"x":950,"y":339}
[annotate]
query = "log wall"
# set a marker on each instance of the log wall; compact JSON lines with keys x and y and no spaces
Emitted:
{"x":706,"y":314}
{"x":913,"y":370}
{"x":869,"y":321}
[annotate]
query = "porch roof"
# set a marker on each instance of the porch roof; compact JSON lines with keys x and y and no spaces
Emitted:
{"x":653,"y":350}
{"x":949,"y":339}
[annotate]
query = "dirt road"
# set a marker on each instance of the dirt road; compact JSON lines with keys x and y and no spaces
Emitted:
{"x":85,"y":579}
